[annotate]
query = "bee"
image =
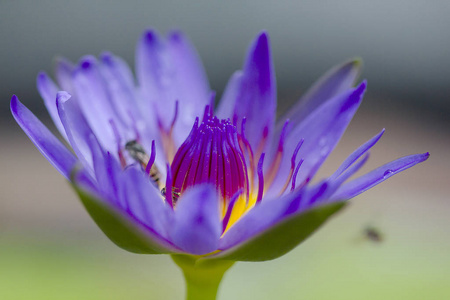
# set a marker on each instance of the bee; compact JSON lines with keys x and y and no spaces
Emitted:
{"x":137,"y":152}
{"x":373,"y":234}
{"x":175,"y":194}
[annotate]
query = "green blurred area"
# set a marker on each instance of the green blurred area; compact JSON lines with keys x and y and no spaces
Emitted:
{"x":339,"y":262}
{"x":46,"y":269}
{"x":51,"y":249}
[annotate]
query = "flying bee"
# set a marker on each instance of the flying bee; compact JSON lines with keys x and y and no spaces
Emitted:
{"x":137,"y":152}
{"x":175,"y":194}
{"x":373,"y":234}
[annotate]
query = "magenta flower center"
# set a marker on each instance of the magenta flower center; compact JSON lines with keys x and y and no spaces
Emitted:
{"x":211,"y":154}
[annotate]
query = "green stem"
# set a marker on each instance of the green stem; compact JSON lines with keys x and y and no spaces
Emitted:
{"x":202,"y":277}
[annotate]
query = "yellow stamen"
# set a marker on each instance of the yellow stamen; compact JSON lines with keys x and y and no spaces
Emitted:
{"x":241,"y":207}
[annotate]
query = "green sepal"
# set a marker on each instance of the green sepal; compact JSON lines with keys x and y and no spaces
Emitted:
{"x":122,"y":231}
{"x":202,"y":277}
{"x":281,"y":238}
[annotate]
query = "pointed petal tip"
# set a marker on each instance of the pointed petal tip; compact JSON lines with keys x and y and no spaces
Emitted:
{"x":359,"y":91}
{"x":355,"y":97}
{"x":106,"y":56}
{"x":356,"y":62}
{"x":42,"y":74}
{"x":87,"y":62}
{"x":380,"y":134}
{"x":260,"y":46}
{"x":176,"y":35}
{"x":150,"y":36}
{"x":62,"y":96}
{"x":13,"y":104}
{"x":258,"y":66}
{"x":262,"y":41}
{"x":263,"y":36}
{"x":41,"y":78}
{"x":52,"y":149}
{"x":355,"y":66}
{"x":16,"y":107}
{"x":362,"y":86}
{"x":375,"y":177}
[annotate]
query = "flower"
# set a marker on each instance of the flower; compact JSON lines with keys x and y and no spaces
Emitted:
{"x":161,"y":170}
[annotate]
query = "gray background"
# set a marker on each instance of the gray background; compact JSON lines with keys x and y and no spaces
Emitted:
{"x":404,"y":44}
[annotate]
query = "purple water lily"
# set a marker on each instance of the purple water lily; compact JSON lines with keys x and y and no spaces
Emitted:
{"x":161,"y":170}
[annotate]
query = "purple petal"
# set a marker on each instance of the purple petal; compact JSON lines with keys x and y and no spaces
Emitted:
{"x":351,"y":170}
{"x":108,"y":172}
{"x":121,"y":88}
{"x":365,"y":182}
{"x":357,"y":154}
{"x":321,"y":132}
{"x":197,"y":228}
{"x":143,"y":201}
{"x":169,"y":71}
{"x":261,"y":217}
{"x":228,"y":101}
{"x":334,"y":183}
{"x":48,"y":89}
{"x":63,"y":72}
{"x":120,"y":84}
{"x":123,"y":228}
{"x":256,"y":99}
{"x":192,"y":79}
{"x":76,"y":128}
{"x":95,"y":103}
{"x":270,"y":212}
{"x":151,"y":55}
{"x":86,"y":181}
{"x":53,"y":150}
{"x":334,"y":82}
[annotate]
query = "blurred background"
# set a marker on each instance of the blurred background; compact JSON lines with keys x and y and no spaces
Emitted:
{"x":50,"y":248}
